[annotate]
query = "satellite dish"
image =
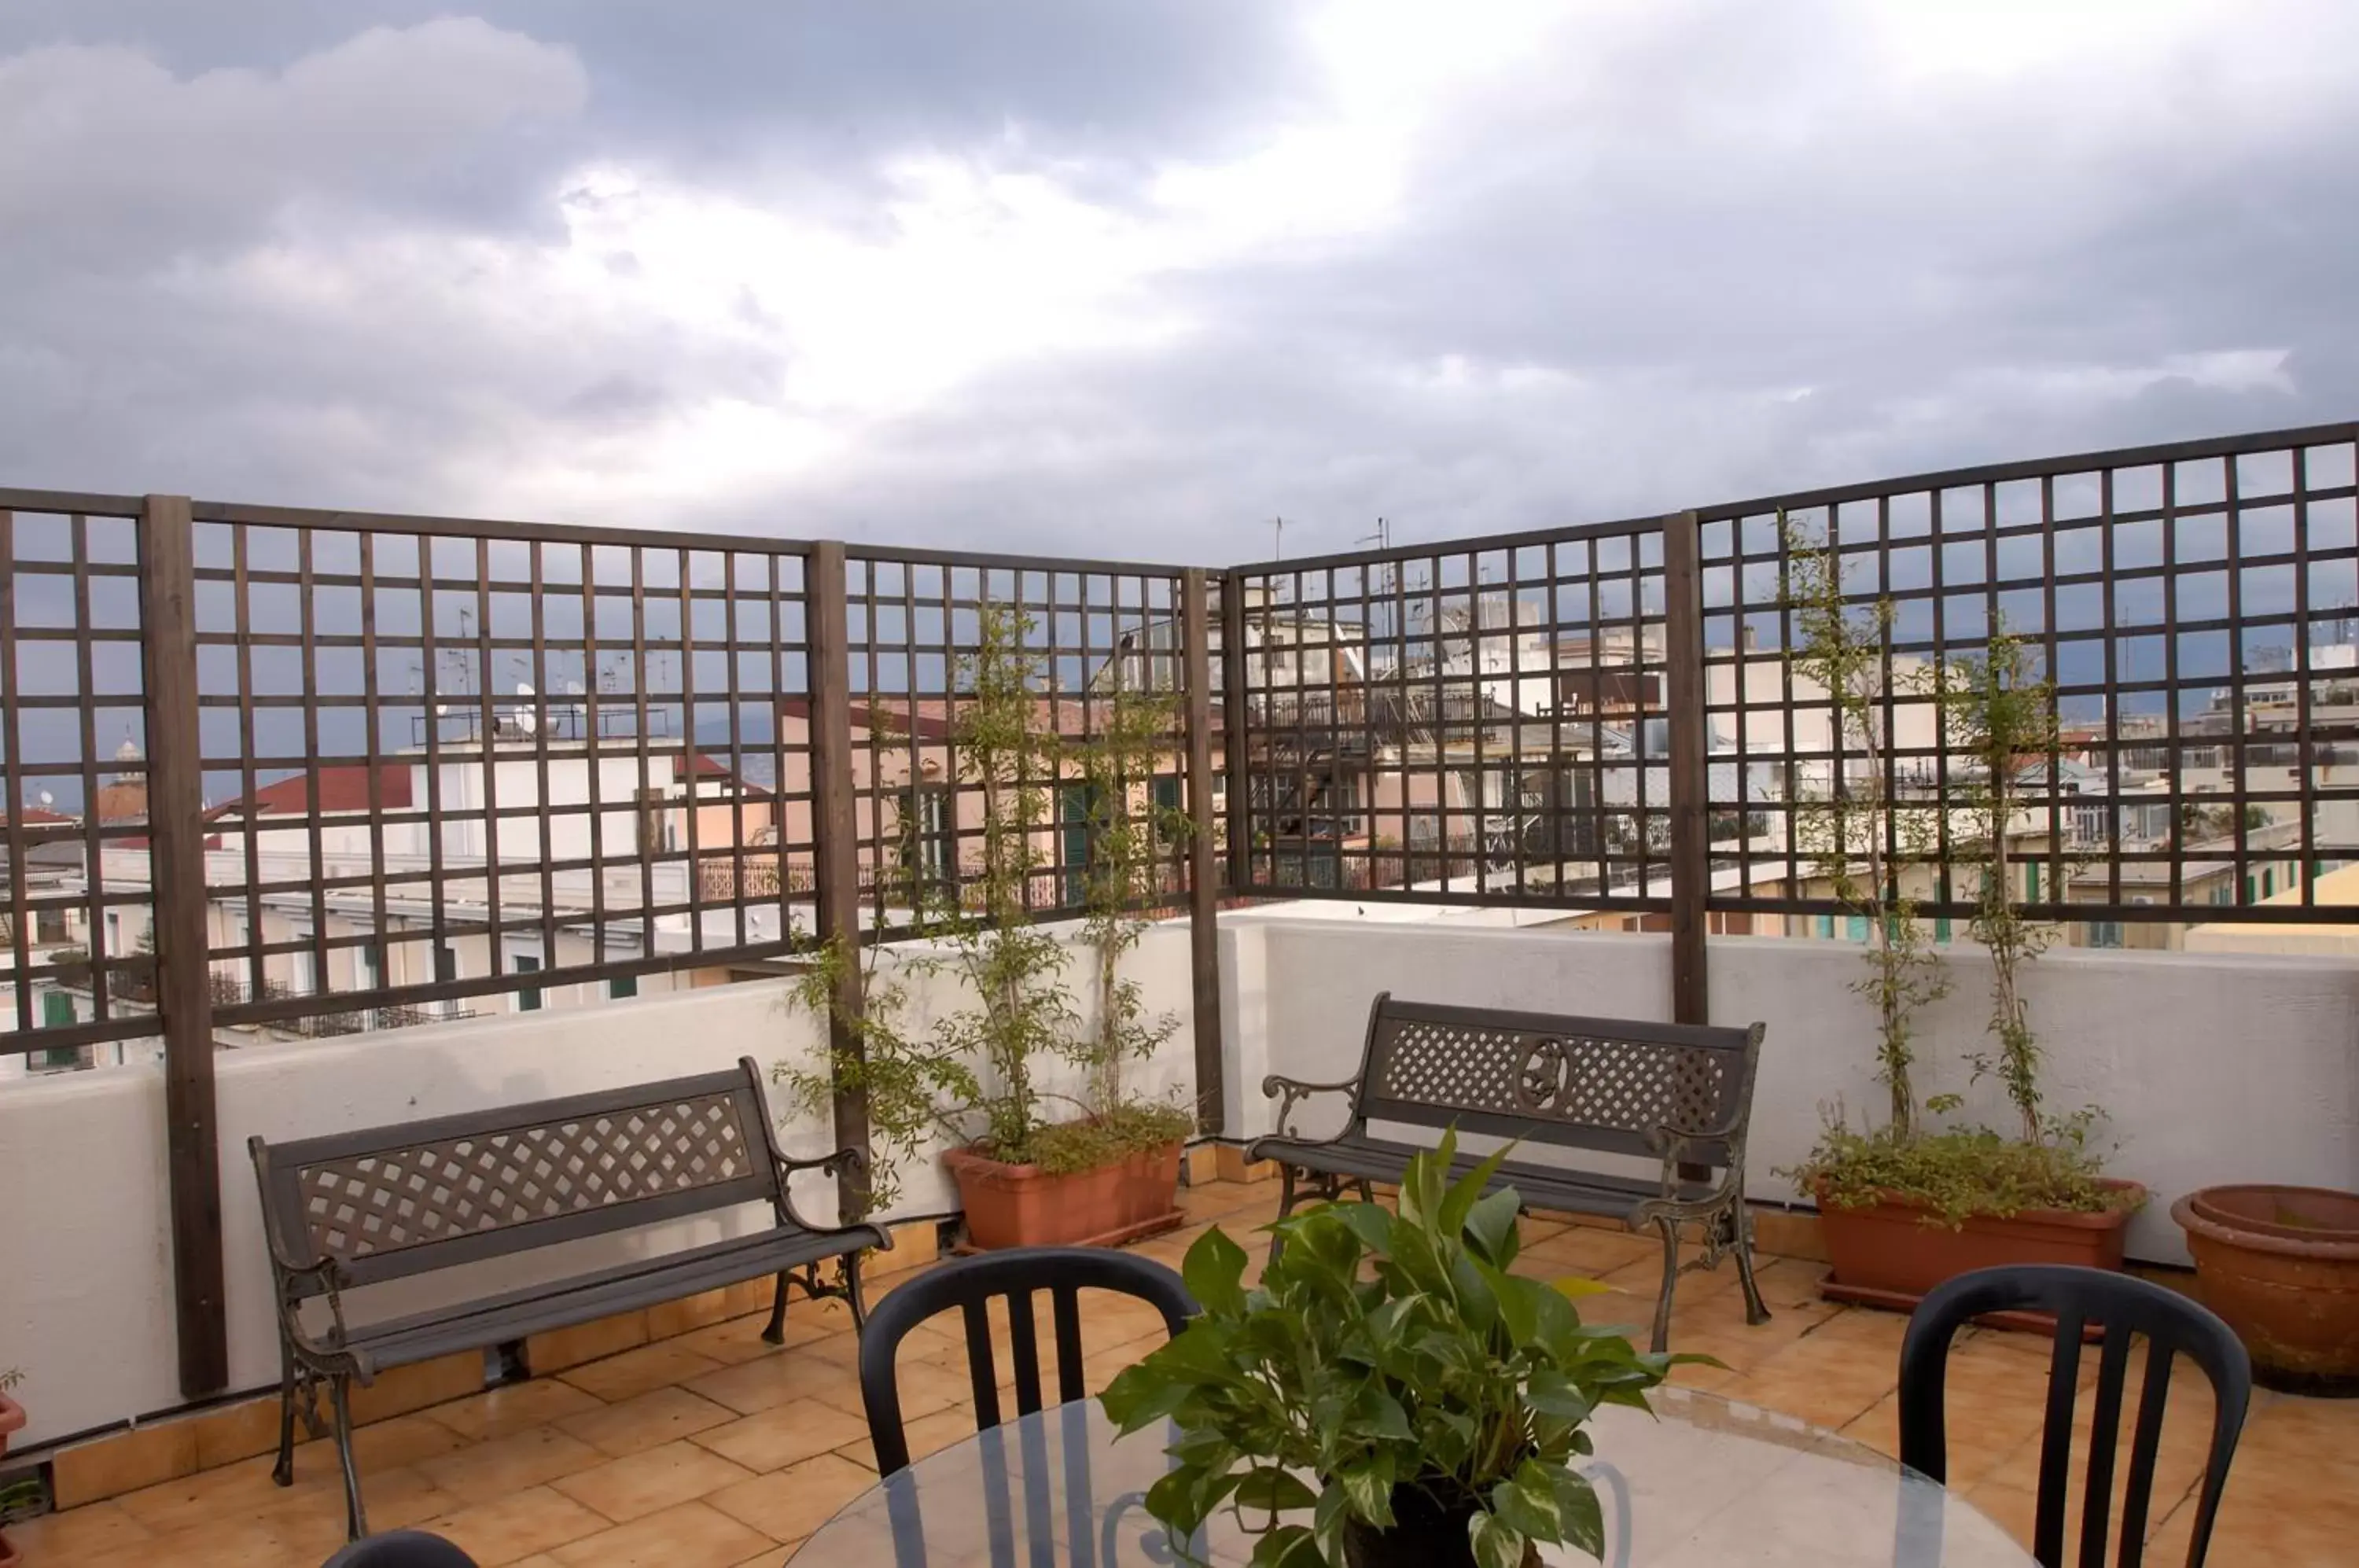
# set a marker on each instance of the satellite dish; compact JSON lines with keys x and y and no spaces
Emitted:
{"x":47,"y":799}
{"x":527,"y":718}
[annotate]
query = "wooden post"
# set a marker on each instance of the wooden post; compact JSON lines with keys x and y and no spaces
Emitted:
{"x":176,"y":859}
{"x":1203,"y":880}
{"x":1235,"y":731}
{"x":1690,"y":776}
{"x":836,"y":855}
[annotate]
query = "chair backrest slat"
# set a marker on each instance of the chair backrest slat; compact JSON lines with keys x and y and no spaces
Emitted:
{"x":410,"y":1198}
{"x":970,"y":1285}
{"x":1605,"y":1085}
{"x":2127,"y":1309}
{"x":2055,"y":1436}
{"x":2146,"y":1443}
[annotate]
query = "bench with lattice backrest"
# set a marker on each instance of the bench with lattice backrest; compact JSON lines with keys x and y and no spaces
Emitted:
{"x":355,"y":1209}
{"x":1676,"y":1094}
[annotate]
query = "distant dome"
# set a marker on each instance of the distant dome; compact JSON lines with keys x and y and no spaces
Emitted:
{"x":129,"y":751}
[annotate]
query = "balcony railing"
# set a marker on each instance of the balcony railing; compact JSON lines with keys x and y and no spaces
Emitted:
{"x":375,"y":767}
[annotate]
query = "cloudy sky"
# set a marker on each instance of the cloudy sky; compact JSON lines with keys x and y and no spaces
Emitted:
{"x":1132,"y":278}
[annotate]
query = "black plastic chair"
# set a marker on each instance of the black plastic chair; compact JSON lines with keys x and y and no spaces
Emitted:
{"x":401,"y":1549}
{"x":2124,"y":1307}
{"x":969,"y":1284}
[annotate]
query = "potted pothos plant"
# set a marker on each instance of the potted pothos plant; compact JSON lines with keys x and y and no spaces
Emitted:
{"x":1909,"y":1204}
{"x":1389,"y":1393}
{"x":1107,"y":1170}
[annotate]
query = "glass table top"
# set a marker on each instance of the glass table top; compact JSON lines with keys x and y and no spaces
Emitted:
{"x":1704,"y":1483}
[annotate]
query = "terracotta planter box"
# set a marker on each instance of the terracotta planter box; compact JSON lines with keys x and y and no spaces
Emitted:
{"x":1022,"y":1206}
{"x":1886,"y":1255}
{"x":12,"y":1419}
{"x":2281,"y":1264}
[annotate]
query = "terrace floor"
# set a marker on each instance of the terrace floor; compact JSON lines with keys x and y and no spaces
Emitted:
{"x":711,"y":1449}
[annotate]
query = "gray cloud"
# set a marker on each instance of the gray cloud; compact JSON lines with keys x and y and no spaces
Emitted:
{"x":1681,"y":254}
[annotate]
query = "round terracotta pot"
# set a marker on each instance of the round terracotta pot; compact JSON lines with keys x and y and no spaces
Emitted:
{"x":2281,"y":1264}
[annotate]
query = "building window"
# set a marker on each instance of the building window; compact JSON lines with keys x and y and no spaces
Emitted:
{"x":446,"y":962}
{"x":622,"y":987}
{"x":1941,"y":928}
{"x":1855,"y":928}
{"x":2104,"y":933}
{"x":368,"y":966}
{"x":527,"y":1000}
{"x":57,"y":1009}
{"x":2268,"y":882}
{"x":304,"y":964}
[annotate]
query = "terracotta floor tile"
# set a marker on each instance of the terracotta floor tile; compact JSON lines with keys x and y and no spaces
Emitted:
{"x":653,"y":1418}
{"x":511,"y":1464}
{"x":756,"y":1385}
{"x":796,"y":1501}
{"x":716,"y":1448}
{"x":635,"y":1372}
{"x":689,"y":1536}
{"x":512,"y":1408}
{"x":652,"y":1481}
{"x":79,"y":1533}
{"x":931,"y":1434}
{"x":739,"y":1339}
{"x":780,"y":1436}
{"x":505,"y":1528}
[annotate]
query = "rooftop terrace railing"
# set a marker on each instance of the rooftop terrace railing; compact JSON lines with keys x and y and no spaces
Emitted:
{"x":359,"y":767}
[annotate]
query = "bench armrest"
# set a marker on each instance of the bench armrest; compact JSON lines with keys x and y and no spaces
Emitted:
{"x":836,"y":1165}
{"x":1287,"y":1091}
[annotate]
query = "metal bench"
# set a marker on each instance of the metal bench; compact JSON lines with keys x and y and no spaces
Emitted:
{"x":1676,"y":1091}
{"x":355,"y":1209}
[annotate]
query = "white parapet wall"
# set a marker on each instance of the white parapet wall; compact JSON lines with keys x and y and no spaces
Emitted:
{"x":86,"y":1299}
{"x":2208,"y":1069}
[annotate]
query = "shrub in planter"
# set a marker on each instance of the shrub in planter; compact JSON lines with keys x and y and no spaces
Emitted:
{"x":12,"y":1419}
{"x":1905,"y":1206}
{"x":1108,"y":1171}
{"x":1435,"y":1402}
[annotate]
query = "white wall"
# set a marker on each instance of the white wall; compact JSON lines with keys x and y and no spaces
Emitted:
{"x":85,"y":1249}
{"x":2210,"y":1070}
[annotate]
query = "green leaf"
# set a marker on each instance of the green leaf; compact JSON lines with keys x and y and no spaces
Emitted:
{"x":1527,"y":1503}
{"x":1551,"y":1393}
{"x":1372,"y":1223}
{"x":1273,"y":1490}
{"x":1576,"y":1502}
{"x":1289,"y":1546}
{"x":1370,"y":1495}
{"x":1496,"y":1544}
{"x":1573,"y":1287}
{"x":1450,"y":1213}
{"x":1491,"y":1224}
{"x":1214,"y":1269}
{"x":1141,"y":1395}
{"x":1422,"y":1184}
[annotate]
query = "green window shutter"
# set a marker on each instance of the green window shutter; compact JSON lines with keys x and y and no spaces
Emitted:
{"x":622,"y":987}
{"x":57,"y":1009}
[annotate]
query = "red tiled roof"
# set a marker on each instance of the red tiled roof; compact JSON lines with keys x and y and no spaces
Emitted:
{"x":341,"y":789}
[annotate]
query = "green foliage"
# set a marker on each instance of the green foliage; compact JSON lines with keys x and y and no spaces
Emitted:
{"x":1128,"y":849}
{"x":2000,"y":716}
{"x":1861,"y":840}
{"x":915,"y":1091}
{"x":1958,"y":1173}
{"x":972,"y":1077}
{"x":1384,"y":1352}
{"x":1098,"y":1140}
{"x":10,"y":1377}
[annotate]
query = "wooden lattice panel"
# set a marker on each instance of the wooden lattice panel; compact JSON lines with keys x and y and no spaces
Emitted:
{"x":1580,"y":1080}
{"x":395,"y":1199}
